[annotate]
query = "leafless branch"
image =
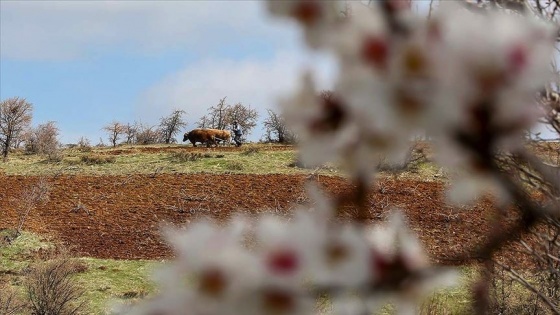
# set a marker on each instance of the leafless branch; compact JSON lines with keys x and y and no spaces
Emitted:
{"x":517,"y":277}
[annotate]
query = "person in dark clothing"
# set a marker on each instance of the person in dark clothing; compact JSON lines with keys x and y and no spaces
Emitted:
{"x":237,"y":133}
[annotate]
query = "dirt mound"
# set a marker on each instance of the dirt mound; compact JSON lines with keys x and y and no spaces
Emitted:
{"x":120,"y":216}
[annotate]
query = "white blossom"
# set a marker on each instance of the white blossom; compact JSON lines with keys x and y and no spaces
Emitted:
{"x":317,"y":18}
{"x":401,"y":270}
{"x":504,"y":60}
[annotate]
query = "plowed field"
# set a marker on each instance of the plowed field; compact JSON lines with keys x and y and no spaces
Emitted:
{"x":120,"y":216}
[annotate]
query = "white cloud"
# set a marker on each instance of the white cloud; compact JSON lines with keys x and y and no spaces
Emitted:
{"x":216,"y":32}
{"x":60,"y":30}
{"x":257,"y":83}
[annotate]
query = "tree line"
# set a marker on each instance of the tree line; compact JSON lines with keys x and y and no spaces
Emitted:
{"x":220,"y":116}
{"x":16,"y":132}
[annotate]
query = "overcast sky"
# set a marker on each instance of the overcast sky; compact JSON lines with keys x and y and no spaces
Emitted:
{"x":84,"y":64}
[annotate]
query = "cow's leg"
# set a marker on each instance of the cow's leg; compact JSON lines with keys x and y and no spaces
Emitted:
{"x":193,"y":143}
{"x":218,"y":141}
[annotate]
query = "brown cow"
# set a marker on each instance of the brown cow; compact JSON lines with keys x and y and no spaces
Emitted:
{"x":223,"y":135}
{"x":200,"y":135}
{"x":208,"y":136}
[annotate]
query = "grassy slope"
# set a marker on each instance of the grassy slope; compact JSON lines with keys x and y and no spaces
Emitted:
{"x":109,"y":282}
{"x":104,"y":281}
{"x":252,"y":159}
{"x":244,"y":161}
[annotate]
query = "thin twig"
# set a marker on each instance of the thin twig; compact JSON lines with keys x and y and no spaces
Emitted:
{"x":430,"y":11}
{"x":517,"y":277}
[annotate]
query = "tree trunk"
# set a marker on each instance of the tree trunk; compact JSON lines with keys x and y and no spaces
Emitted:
{"x":6,"y":148}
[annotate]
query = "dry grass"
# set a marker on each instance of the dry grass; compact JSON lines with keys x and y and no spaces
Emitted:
{"x":130,"y":160}
{"x":10,"y":302}
{"x":92,"y":159}
{"x":126,"y":160}
{"x":183,"y":156}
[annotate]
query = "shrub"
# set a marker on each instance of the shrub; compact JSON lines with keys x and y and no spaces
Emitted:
{"x":234,"y":166}
{"x":148,"y":135}
{"x":44,"y":140}
{"x":251,"y":151}
{"x":182,"y":156}
{"x":10,"y":304}
{"x":84,"y":145}
{"x":52,"y":291}
{"x":97,"y":159}
{"x":298,"y":163}
{"x":31,"y":198}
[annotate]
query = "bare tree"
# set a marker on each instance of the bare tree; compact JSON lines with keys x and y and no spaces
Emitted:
{"x":216,"y":117}
{"x":276,"y":129}
{"x":15,"y":117}
{"x":129,"y":132}
{"x":19,"y":139}
{"x":148,"y":135}
{"x":203,"y":122}
{"x":43,"y":140}
{"x":31,"y":198}
{"x":222,"y":116}
{"x":115,"y":129}
{"x":245,"y":116}
{"x":171,"y":125}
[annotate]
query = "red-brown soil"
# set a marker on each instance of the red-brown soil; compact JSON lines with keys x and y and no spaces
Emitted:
{"x":120,"y":216}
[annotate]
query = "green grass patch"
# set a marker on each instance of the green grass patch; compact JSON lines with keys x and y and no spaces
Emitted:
{"x":110,"y":282}
{"x":453,"y":300}
{"x":17,"y":254}
{"x":248,"y":159}
{"x":253,"y":159}
{"x":104,"y":281}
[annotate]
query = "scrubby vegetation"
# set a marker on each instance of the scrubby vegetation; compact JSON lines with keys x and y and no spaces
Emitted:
{"x":97,"y":159}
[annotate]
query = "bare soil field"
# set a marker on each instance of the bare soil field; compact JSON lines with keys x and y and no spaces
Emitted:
{"x":121,"y":216}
